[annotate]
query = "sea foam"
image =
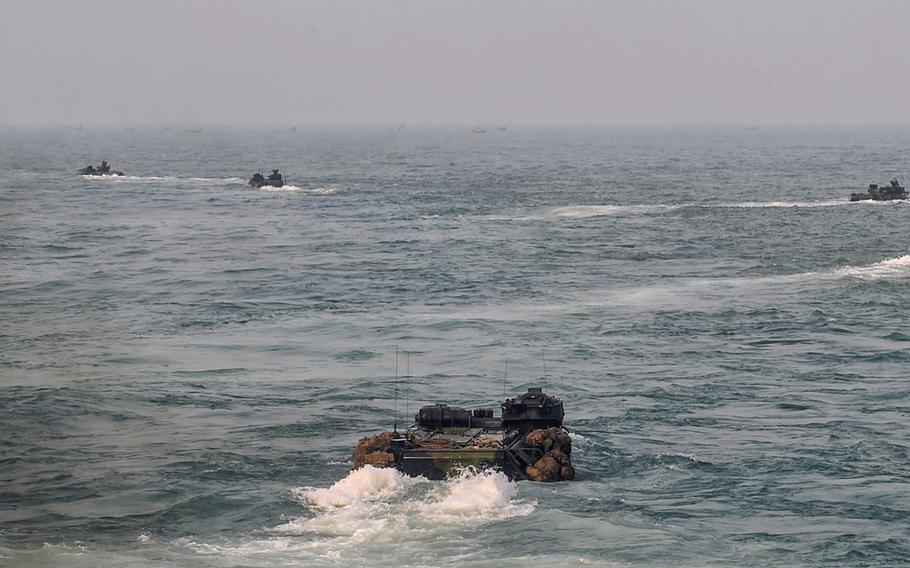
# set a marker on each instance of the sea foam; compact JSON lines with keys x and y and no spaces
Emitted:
{"x":371,"y":500}
{"x":892,"y":267}
{"x":365,"y":484}
{"x":373,"y":512}
{"x":286,"y":187}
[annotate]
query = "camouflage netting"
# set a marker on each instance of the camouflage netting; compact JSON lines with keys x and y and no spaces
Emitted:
{"x":556,"y":446}
{"x":372,"y":451}
{"x":554,"y":443}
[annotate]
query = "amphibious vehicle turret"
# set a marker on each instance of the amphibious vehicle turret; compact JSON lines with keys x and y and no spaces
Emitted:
{"x":527,"y":441}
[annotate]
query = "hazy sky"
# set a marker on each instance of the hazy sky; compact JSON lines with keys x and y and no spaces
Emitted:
{"x":465,"y":62}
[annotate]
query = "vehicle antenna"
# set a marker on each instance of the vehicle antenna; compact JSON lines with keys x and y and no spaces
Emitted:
{"x":544,"y":357}
{"x":407,"y":388}
{"x":504,"y":377}
{"x":395,"y":427}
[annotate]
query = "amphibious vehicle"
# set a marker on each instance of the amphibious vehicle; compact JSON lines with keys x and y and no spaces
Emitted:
{"x":527,"y":441}
{"x":875,"y":193}
{"x":274,"y":180}
{"x":103,"y":170}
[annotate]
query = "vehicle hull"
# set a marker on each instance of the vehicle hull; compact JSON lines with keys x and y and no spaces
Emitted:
{"x":876,"y":197}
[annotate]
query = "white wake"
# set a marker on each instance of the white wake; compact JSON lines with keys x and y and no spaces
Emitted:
{"x":294,"y":188}
{"x":154,"y":179}
{"x":889,"y":268}
{"x":374,"y":514}
{"x":586,"y":211}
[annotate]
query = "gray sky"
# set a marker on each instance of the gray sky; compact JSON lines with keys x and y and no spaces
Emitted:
{"x":465,"y":62}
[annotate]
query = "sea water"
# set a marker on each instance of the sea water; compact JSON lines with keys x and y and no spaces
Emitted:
{"x":186,"y":363}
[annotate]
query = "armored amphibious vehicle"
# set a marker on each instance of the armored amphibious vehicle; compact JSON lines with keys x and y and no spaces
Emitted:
{"x":527,"y":441}
{"x":103,"y":170}
{"x":875,"y":193}
{"x":274,"y":180}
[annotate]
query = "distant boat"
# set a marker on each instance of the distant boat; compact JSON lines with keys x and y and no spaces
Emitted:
{"x":477,"y":130}
{"x":292,"y":129}
{"x":192,"y":130}
{"x":501,"y":128}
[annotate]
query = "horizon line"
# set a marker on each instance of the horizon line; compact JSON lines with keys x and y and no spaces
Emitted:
{"x":486,"y":126}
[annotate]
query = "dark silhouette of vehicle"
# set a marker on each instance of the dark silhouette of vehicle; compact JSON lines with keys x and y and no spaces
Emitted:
{"x":875,"y":193}
{"x":274,"y":180}
{"x":103,"y":170}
